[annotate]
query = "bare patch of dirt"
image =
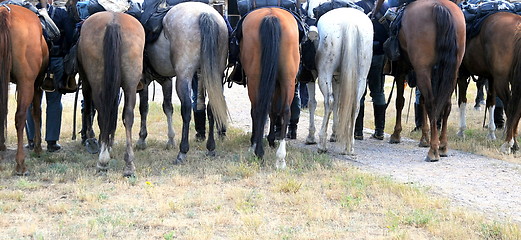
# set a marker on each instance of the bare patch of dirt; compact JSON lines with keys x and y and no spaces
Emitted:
{"x":482,"y":184}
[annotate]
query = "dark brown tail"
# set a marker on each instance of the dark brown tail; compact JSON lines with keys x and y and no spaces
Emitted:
{"x":5,"y":70}
{"x":111,"y":81}
{"x":515,"y":80}
{"x":444,"y":71}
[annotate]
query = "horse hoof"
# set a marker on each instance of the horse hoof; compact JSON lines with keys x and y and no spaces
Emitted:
{"x":310,"y":141}
{"x":394,"y":141}
{"x":22,"y":174}
{"x":280,"y":164}
{"x":92,"y":146}
{"x":129,"y":174}
{"x":141,"y":145}
{"x":322,"y":150}
{"x":180,"y":159}
{"x":211,"y":153}
{"x":3,"y":147}
{"x":333,"y":138}
{"x":428,"y":159}
{"x":423,"y":145}
{"x":170,"y":145}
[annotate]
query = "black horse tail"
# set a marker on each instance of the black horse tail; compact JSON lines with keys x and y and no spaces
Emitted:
{"x":270,"y":33}
{"x":515,"y":81}
{"x":5,"y":71}
{"x":111,"y":82}
{"x":211,"y":69}
{"x":445,"y":69}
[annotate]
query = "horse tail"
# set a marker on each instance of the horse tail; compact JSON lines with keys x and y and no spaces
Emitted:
{"x":270,"y":34}
{"x":211,"y":71}
{"x":111,"y":81}
{"x":445,"y":68}
{"x":352,"y":76}
{"x":5,"y":69}
{"x":515,"y":81}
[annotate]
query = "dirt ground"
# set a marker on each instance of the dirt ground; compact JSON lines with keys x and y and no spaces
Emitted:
{"x":482,"y":184}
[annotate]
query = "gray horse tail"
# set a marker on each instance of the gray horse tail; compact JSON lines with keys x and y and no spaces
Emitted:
{"x":111,"y":81}
{"x":515,"y":81}
{"x":5,"y":71}
{"x":445,"y":68}
{"x":211,"y":69}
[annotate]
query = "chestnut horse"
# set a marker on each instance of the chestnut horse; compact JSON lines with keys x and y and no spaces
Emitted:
{"x":110,"y":56}
{"x":495,"y":53}
{"x":194,"y":38}
{"x":23,"y":59}
{"x":270,"y":57}
{"x":432,"y":42}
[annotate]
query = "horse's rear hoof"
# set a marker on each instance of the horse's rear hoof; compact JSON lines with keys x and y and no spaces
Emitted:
{"x":322,"y":151}
{"x":141,"y":145}
{"x":92,"y":146}
{"x":394,"y":141}
{"x":129,"y":174}
{"x":423,"y":145}
{"x":170,"y":145}
{"x":211,"y":153}
{"x":180,"y":159}
{"x":22,"y":174}
{"x":310,"y":141}
{"x":428,"y":159}
{"x":333,"y":138}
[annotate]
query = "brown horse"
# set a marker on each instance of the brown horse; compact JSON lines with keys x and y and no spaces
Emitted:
{"x":495,"y":53}
{"x":110,"y":56}
{"x":270,"y":57}
{"x":432,"y":40}
{"x":24,"y":57}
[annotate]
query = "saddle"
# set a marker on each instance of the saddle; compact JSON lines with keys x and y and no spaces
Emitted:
{"x":153,"y":13}
{"x":325,"y":7}
{"x":476,"y":13}
{"x":50,"y":30}
{"x":237,"y":75}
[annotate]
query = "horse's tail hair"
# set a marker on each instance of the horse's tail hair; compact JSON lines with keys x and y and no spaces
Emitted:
{"x":211,"y":69}
{"x":270,"y":34}
{"x":111,"y":81}
{"x":5,"y":70}
{"x":515,"y":81}
{"x":445,"y":69}
{"x":356,"y":60}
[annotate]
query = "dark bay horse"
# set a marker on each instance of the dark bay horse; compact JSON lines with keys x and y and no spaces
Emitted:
{"x":432,"y":41}
{"x":495,"y":53}
{"x":194,"y":39}
{"x":110,"y":56}
{"x":270,"y":57}
{"x":23,"y":59}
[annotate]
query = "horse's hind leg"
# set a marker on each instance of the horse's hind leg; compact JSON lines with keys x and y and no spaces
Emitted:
{"x":443,"y":135}
{"x":491,"y":106}
{"x":210,"y":143}
{"x":336,"y":93}
{"x":312,"y":105}
{"x":183,"y":91}
{"x":400,"y":100}
{"x":37,"y":118}
{"x":168,"y":109}
{"x":128,"y":121}
{"x":25,"y":91}
{"x":143,"y":111}
{"x":462,"y":103}
{"x":324,"y":81}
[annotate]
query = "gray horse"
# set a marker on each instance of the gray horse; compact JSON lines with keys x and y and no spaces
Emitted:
{"x":194,"y":38}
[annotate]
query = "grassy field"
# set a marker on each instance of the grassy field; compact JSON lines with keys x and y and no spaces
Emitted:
{"x":231,"y":196}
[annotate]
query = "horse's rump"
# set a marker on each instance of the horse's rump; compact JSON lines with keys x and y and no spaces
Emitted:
{"x":515,"y":80}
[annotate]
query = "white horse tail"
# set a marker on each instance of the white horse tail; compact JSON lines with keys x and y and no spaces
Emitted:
{"x":211,"y":69}
{"x":355,"y":62}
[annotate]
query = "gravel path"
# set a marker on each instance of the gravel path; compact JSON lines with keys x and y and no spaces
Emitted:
{"x":487,"y":185}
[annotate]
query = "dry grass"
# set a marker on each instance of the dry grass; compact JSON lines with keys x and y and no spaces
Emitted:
{"x":231,"y":196}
